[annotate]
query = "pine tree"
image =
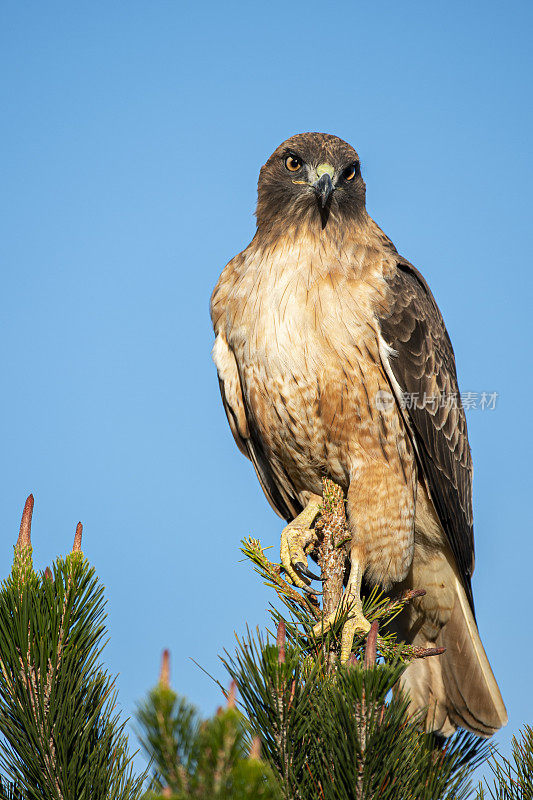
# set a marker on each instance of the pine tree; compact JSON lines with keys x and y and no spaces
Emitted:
{"x":513,"y":777}
{"x":60,"y":735}
{"x":212,"y":759}
{"x":334,"y":731}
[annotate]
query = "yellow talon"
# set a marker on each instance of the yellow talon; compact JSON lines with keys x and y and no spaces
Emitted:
{"x":357,"y":623}
{"x":351,"y":603}
{"x":296,"y":538}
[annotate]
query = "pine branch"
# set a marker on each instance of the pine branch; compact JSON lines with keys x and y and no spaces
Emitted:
{"x":271,"y":574}
{"x":60,"y":735}
{"x":215,"y":759}
{"x":513,"y":777}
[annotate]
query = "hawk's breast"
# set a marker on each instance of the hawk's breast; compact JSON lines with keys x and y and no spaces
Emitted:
{"x":302,"y":326}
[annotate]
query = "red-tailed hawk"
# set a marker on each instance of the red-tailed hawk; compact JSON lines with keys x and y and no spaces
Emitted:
{"x":334,"y":360}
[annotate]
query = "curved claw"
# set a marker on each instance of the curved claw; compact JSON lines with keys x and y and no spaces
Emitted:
{"x":293,"y":577}
{"x":296,"y":537}
{"x":302,"y":570}
{"x":310,"y":591}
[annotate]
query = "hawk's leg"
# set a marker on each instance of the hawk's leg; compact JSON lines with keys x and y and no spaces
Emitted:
{"x":297,"y":538}
{"x":351,"y":603}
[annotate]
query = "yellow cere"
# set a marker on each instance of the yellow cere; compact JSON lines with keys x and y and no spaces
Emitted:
{"x":322,"y":169}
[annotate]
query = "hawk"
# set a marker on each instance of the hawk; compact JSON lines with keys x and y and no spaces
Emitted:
{"x":333,"y":360}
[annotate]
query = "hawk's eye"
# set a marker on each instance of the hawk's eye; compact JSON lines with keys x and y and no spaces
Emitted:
{"x":293,"y":163}
{"x":350,"y":172}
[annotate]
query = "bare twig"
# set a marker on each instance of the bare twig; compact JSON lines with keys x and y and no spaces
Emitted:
{"x":255,"y":748}
{"x":425,"y":652}
{"x":177,"y":773}
{"x":24,"y":538}
{"x":231,"y":703}
{"x":331,"y":525}
{"x":76,"y":548}
{"x":280,"y":641}
{"x":371,"y":644}
{"x":164,"y":673}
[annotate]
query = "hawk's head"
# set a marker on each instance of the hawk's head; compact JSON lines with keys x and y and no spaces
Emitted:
{"x":310,"y":178}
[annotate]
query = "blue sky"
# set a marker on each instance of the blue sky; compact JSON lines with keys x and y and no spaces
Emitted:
{"x":131,"y":141}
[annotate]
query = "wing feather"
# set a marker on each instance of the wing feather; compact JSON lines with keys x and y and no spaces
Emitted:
{"x":423,"y":367}
{"x":274,"y":481}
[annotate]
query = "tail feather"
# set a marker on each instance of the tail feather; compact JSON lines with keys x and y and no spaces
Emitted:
{"x":473,"y":697}
{"x":458,"y":688}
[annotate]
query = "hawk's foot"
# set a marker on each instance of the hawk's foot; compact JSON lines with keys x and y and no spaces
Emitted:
{"x":351,"y":604}
{"x":297,"y":539}
{"x":356,"y":623}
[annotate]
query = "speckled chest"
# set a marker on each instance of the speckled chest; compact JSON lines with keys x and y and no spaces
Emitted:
{"x":303,"y":328}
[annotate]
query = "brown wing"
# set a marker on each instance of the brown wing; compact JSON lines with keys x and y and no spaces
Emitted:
{"x":273,"y":485}
{"x":424,"y":368}
{"x":273,"y":479}
{"x":274,"y":482}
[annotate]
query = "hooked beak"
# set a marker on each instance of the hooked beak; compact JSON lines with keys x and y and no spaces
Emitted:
{"x":324,"y":187}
